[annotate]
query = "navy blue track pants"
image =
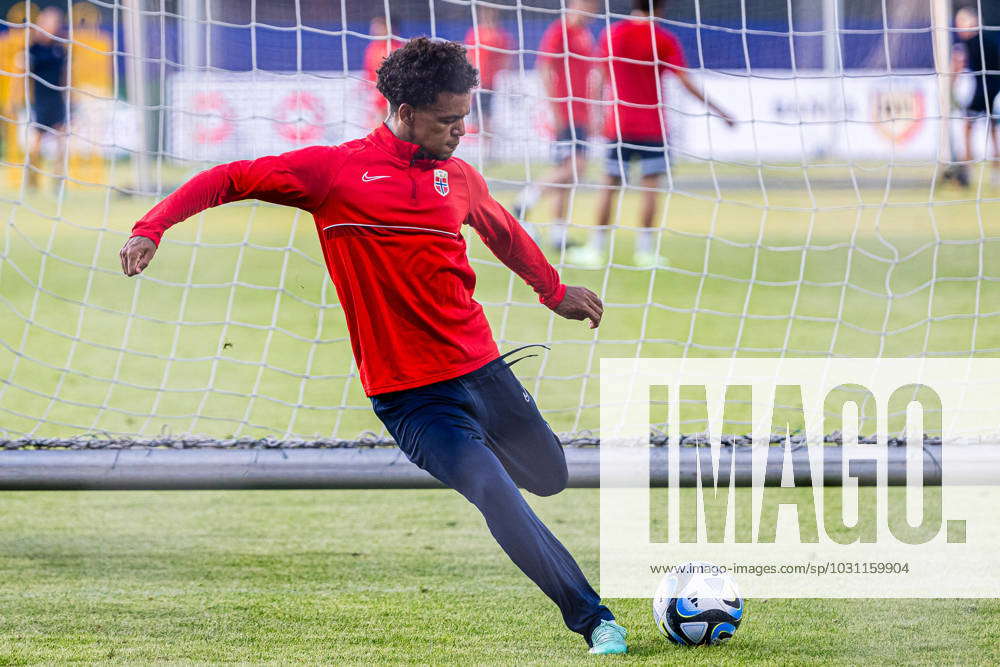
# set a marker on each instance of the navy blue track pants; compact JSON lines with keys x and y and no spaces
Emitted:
{"x":482,"y":435}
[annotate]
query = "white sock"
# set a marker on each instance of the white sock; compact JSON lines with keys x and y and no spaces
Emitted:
{"x":599,"y":240}
{"x":645,"y":240}
{"x":557,"y":233}
{"x":528,"y":198}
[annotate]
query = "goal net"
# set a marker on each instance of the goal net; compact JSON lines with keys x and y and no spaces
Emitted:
{"x":840,"y":215}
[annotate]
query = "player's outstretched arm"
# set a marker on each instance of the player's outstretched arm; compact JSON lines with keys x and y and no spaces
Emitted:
{"x":697,"y":92}
{"x":506,"y":239}
{"x":580,"y":303}
{"x":300,"y":178}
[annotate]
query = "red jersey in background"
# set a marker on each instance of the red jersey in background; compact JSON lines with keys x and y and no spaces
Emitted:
{"x":488,"y":61}
{"x":570,"y":66}
{"x":636,"y":86}
{"x":375,"y":52}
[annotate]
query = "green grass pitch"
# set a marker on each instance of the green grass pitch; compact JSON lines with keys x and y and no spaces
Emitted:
{"x":413,"y":576}
{"x":351,"y":577}
{"x":238,"y":325}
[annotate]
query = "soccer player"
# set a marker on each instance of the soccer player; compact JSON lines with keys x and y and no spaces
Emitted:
{"x":389,"y":210}
{"x":381,"y":45}
{"x":489,"y":50}
{"x":982,"y":58}
{"x":47,"y":65}
{"x":636,"y":52}
{"x":566,"y":64}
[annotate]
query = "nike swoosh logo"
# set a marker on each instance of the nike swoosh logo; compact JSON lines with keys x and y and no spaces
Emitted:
{"x":367,"y":179}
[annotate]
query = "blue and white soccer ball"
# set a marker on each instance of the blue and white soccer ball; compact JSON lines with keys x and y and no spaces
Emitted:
{"x":697,"y":605}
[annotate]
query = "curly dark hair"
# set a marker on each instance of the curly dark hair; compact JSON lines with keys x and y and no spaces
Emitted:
{"x":416,"y":73}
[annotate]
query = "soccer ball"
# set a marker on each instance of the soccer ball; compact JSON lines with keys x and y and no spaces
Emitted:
{"x":697,"y":605}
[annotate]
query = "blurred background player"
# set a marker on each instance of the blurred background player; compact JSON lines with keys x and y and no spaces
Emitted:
{"x":378,"y":48}
{"x":982,"y":58}
{"x":956,"y":171}
{"x":489,"y":47}
{"x":566,"y":67}
{"x":636,"y":52}
{"x":91,"y":95}
{"x":47,"y":65}
{"x":12,"y":90}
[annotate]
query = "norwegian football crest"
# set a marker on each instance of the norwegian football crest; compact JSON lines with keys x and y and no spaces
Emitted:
{"x":441,"y":181}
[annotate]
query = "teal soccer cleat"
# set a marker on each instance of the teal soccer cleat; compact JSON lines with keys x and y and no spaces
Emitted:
{"x":608,"y":637}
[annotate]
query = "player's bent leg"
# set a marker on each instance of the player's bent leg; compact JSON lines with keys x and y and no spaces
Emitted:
{"x":519,"y":435}
{"x":436,"y":427}
{"x":567,"y":166}
{"x":34,"y":157}
{"x":593,"y":255}
{"x":653,"y":166}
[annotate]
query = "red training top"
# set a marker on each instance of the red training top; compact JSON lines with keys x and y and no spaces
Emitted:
{"x":636,"y":85}
{"x":389,"y":225}
{"x":573,"y":51}
{"x":490,"y":60}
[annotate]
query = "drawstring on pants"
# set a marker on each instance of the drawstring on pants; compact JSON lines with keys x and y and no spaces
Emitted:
{"x":527,"y":356}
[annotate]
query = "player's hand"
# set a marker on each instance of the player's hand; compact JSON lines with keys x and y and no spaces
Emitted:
{"x":136,"y":255}
{"x":581,"y":304}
